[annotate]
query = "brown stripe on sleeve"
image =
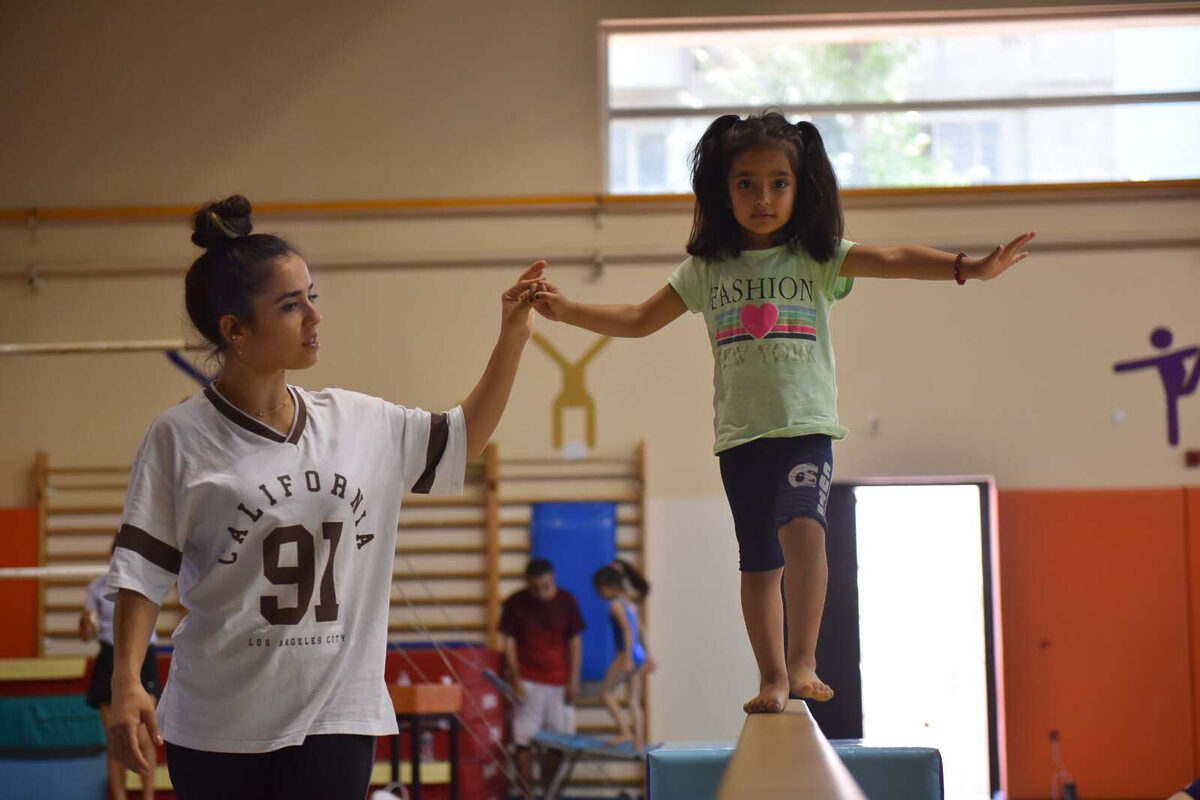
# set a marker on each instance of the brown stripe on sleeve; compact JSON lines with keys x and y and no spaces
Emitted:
{"x":155,"y":551}
{"x":439,"y":435}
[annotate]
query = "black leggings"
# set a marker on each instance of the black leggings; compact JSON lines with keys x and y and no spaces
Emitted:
{"x":331,"y":767}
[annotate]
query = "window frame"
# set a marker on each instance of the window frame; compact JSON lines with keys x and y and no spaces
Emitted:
{"x":609,"y":27}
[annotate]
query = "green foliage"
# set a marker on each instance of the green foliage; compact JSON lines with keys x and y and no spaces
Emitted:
{"x":881,"y":149}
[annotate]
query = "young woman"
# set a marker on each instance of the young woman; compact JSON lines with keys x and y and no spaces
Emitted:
{"x":275,"y":508}
{"x":767,"y":262}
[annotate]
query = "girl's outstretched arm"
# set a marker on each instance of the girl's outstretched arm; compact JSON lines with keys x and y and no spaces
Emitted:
{"x":485,"y":404}
{"x":626,"y":320}
{"x":926,"y":264}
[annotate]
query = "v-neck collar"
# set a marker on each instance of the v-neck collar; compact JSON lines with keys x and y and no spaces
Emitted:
{"x":255,"y":426}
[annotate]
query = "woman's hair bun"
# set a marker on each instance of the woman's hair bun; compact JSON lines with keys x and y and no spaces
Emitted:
{"x":218,"y":224}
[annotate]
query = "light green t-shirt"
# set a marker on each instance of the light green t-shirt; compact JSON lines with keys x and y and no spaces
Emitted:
{"x":768,"y":321}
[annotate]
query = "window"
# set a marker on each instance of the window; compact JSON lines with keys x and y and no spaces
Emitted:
{"x":1063,"y":99}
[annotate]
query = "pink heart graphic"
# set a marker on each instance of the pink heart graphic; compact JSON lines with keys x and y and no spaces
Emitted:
{"x":759,"y":320}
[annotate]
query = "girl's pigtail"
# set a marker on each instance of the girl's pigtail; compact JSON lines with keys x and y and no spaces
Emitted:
{"x":635,"y":578}
{"x":821,"y":224}
{"x":712,"y":218}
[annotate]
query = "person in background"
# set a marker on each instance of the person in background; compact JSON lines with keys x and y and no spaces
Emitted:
{"x":96,"y":622}
{"x":636,"y":585}
{"x":541,"y":627}
{"x":617,"y":583}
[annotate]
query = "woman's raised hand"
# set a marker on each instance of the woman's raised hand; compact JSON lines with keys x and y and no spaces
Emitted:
{"x":1000,"y":259}
{"x":517,"y":301}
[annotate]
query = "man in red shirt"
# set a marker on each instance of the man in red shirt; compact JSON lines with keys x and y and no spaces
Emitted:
{"x":541,"y":625}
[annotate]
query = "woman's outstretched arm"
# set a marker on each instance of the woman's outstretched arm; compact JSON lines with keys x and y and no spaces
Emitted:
{"x":485,"y":404}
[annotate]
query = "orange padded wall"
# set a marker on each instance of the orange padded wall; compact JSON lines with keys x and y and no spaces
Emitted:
{"x":1193,"y":549}
{"x":18,"y":599}
{"x":1096,"y":641}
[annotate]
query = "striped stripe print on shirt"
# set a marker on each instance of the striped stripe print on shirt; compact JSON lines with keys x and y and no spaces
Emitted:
{"x":747,"y":323}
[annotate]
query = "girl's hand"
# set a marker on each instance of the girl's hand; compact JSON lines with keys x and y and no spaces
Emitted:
{"x":132,"y":707}
{"x":87,"y":628}
{"x":650,"y":665}
{"x":1000,"y":259}
{"x":517,"y":302}
{"x":625,"y":661}
{"x":550,"y":302}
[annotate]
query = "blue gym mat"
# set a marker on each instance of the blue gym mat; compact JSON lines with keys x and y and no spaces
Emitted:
{"x":578,"y":539}
{"x":49,"y":723}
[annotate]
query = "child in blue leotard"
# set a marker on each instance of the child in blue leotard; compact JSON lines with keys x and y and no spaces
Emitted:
{"x":613,"y":582}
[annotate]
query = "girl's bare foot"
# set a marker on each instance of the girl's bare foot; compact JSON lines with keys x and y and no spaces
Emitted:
{"x":772,"y":697}
{"x":805,"y":684}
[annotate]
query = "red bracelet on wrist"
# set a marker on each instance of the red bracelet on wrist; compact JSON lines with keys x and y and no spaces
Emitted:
{"x":958,"y":278}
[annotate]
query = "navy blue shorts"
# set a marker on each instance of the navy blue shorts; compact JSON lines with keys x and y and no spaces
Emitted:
{"x":769,"y":483}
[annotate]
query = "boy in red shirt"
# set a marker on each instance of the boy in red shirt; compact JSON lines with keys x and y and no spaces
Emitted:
{"x":541,"y":625}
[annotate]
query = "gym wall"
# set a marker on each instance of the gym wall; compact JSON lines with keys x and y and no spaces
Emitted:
{"x":138,"y":103}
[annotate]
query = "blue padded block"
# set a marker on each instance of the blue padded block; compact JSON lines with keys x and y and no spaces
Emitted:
{"x":578,"y":539}
{"x":65,"y":778}
{"x":693,"y":770}
{"x":893,"y":773}
{"x":686,"y":770}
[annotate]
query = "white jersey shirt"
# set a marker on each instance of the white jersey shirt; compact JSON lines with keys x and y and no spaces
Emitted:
{"x":282,"y":547}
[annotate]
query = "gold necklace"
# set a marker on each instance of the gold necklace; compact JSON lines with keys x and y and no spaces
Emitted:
{"x":259,"y":414}
{"x":262,"y":414}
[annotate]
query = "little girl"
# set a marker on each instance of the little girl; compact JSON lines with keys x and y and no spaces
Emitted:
{"x":767,"y":262}
{"x":613,"y":582}
{"x":636,"y":585}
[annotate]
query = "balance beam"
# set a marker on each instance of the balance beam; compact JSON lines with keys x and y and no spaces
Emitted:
{"x":785,"y":756}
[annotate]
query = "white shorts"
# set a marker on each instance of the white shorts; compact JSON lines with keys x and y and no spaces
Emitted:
{"x":544,"y":709}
